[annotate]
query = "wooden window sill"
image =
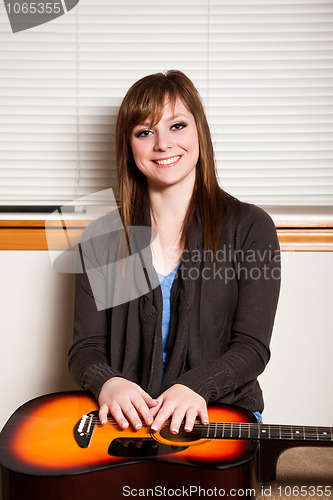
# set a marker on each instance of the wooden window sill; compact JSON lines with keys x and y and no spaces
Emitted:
{"x":31,"y":235}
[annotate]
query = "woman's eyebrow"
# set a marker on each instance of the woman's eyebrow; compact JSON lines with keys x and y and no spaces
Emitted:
{"x":174,"y":117}
{"x":147,"y":123}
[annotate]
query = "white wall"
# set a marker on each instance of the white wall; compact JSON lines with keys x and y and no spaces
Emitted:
{"x":35,"y":328}
{"x":297,"y":382}
{"x":36,"y":323}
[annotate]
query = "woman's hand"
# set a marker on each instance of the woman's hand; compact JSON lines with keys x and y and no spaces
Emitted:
{"x":179,"y":402}
{"x":125,"y":401}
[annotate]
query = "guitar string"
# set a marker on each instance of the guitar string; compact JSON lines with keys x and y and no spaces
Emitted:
{"x":308,"y":431}
{"x":251,"y":424}
{"x":246,"y":424}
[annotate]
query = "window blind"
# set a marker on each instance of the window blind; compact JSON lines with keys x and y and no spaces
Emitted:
{"x":264,"y":70}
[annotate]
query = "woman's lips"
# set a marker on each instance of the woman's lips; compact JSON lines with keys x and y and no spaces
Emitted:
{"x":167,"y":162}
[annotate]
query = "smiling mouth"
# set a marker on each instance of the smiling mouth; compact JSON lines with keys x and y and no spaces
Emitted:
{"x":167,"y":162}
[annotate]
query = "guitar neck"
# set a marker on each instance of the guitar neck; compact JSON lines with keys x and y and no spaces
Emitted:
{"x":236,"y":430}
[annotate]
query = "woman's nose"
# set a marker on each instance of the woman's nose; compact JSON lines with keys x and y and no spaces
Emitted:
{"x":162,"y":142}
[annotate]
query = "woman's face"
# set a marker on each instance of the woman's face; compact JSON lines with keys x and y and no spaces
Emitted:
{"x":167,"y":152}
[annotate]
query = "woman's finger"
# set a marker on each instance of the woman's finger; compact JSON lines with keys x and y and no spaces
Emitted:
{"x":203,"y":415}
{"x":165,"y":411}
{"x":177,"y":419}
{"x":103,"y":413}
{"x":191,"y":415}
{"x":118,"y":415}
{"x":141,"y":407}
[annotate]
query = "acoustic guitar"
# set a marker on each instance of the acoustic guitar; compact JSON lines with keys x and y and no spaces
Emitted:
{"x":54,"y":448}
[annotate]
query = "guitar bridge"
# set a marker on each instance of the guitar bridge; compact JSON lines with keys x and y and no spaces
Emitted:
{"x":84,"y":429}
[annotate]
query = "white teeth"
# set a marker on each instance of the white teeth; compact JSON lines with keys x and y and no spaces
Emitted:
{"x":168,"y":161}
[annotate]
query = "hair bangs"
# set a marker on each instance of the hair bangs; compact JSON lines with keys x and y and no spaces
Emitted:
{"x":149,"y":103}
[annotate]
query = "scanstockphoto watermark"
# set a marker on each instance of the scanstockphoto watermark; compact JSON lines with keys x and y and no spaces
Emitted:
{"x":119,"y":264}
{"x":230,"y":273}
{"x":229,"y":263}
{"x":27,"y":14}
{"x":188,"y":491}
{"x":227,"y":253}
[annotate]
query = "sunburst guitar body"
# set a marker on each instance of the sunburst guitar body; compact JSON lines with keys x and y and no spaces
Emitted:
{"x":54,"y":448}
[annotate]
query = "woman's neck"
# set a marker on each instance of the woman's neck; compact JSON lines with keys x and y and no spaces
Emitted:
{"x":168,"y":211}
{"x":169,"y":205}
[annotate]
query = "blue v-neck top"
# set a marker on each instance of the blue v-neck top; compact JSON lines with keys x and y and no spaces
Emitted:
{"x":166,"y":283}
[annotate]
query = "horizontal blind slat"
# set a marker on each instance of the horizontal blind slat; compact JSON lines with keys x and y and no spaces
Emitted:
{"x":263,"y":68}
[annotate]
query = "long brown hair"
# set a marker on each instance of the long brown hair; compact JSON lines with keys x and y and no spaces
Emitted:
{"x":145,"y":99}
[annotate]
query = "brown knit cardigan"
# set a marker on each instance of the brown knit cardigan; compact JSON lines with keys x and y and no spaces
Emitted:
{"x":222,"y":313}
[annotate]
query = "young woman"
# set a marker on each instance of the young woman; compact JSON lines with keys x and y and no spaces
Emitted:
{"x":203,"y":334}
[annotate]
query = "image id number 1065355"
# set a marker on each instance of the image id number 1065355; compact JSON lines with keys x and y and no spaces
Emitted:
{"x":299,"y":491}
{"x":34,"y":8}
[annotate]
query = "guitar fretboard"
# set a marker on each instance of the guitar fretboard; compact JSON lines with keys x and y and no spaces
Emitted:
{"x":236,"y":430}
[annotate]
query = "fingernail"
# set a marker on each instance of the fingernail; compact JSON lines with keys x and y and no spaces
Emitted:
{"x":125,"y":425}
{"x":103,"y":421}
{"x":154,"y":428}
{"x":187,"y":429}
{"x":174,"y":431}
{"x":138,"y":426}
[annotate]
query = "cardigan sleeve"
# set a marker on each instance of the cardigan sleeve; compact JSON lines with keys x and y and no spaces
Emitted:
{"x":88,"y":357}
{"x":257,"y":270}
{"x":88,"y":360}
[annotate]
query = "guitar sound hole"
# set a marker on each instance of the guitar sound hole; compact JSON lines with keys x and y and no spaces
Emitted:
{"x":182,"y":436}
{"x":141,"y":448}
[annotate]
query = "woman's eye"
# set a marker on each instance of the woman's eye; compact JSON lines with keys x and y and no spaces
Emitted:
{"x":178,"y":126}
{"x":143,"y":133}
